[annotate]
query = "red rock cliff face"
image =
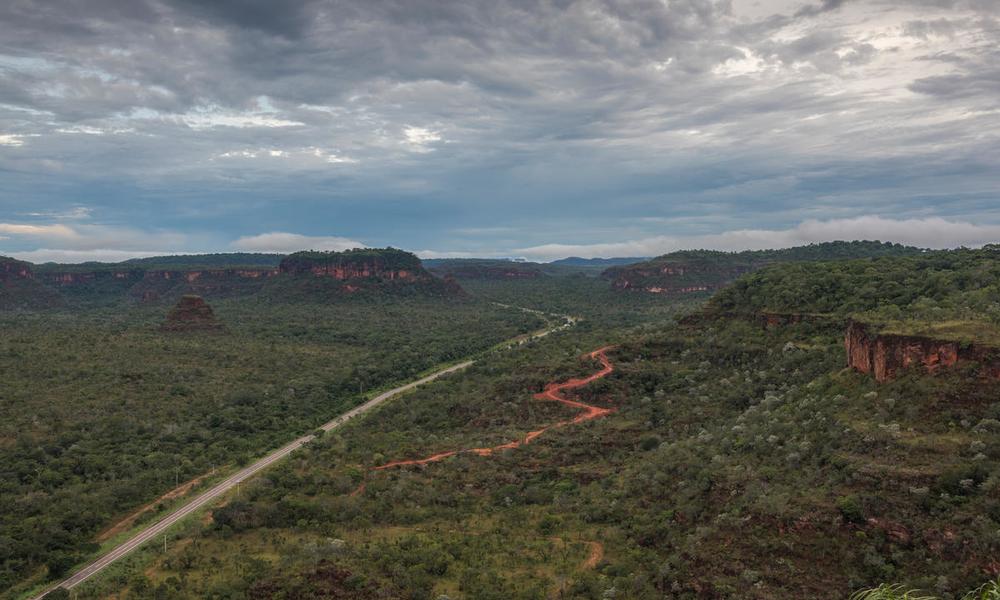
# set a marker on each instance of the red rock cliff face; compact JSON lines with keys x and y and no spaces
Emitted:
{"x":884,"y":355}
{"x":79,"y":278}
{"x":357,"y":271}
{"x":215,"y":274}
{"x":673,"y":279}
{"x":12,"y":269}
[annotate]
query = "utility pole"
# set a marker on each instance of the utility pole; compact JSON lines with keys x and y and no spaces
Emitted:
{"x":164,"y":543}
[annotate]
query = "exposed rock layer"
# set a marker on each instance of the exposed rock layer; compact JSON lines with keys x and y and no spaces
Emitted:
{"x":885,"y":355}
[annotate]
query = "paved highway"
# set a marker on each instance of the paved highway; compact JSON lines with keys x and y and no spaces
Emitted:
{"x":231,"y":482}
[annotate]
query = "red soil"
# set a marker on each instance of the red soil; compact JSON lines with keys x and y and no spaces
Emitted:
{"x":553,"y":391}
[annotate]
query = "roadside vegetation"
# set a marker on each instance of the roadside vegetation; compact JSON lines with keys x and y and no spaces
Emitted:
{"x":740,"y":460}
{"x":100,"y":412}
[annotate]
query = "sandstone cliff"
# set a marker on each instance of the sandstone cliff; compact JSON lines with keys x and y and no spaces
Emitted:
{"x":884,"y":355}
{"x":386,"y":264}
{"x":21,"y":290}
{"x":11,"y":269}
{"x":675,"y":277}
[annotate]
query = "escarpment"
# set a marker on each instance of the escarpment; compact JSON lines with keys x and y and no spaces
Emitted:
{"x":388,"y":264}
{"x":299,"y":277}
{"x":20,"y":288}
{"x":674,"y":278}
{"x":11,"y":269}
{"x":884,"y":355}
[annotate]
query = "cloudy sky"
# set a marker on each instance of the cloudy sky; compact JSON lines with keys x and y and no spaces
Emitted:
{"x":495,"y":128}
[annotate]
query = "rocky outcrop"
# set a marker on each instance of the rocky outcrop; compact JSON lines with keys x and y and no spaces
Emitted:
{"x":11,"y":269}
{"x":74,"y":278}
{"x":674,"y":278}
{"x":363,"y":264}
{"x":387,"y":265}
{"x":20,"y":289}
{"x":191,"y":313}
{"x":885,"y":355}
{"x":160,"y":283}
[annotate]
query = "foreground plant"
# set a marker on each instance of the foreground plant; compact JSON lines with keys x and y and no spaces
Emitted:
{"x":987,"y":591}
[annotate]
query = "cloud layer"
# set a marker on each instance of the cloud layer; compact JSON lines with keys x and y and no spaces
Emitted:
{"x":483,"y":127}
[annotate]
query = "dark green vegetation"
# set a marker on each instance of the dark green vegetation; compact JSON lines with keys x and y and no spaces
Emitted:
{"x":174,"y":262}
{"x":100,"y":412}
{"x":480,"y":268}
{"x":505,"y":269}
{"x":707,"y":270}
{"x":742,"y":460}
{"x":300,"y":277}
{"x":372,"y":259}
{"x":576,"y":261}
{"x":952,"y":294}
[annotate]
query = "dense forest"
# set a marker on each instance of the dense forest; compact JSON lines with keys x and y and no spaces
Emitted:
{"x":739,"y":461}
{"x":708,"y":270}
{"x":733,"y":457}
{"x":935,"y":292}
{"x":101,"y":412}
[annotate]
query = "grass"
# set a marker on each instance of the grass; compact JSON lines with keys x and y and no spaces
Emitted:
{"x":962,"y":331}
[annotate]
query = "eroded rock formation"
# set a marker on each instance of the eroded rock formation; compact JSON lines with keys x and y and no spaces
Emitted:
{"x":191,"y":313}
{"x":885,"y":355}
{"x":14,"y":269}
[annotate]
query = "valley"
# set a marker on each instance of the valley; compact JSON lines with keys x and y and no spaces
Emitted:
{"x":713,"y":446}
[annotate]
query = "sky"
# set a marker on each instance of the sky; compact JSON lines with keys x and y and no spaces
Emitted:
{"x":536,"y":129}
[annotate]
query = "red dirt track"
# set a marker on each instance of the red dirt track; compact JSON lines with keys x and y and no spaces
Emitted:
{"x":553,"y":391}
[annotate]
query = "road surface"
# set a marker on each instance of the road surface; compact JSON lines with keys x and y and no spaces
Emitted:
{"x":232,"y":481}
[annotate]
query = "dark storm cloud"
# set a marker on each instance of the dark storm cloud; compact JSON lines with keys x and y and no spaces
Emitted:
{"x":216,"y":118}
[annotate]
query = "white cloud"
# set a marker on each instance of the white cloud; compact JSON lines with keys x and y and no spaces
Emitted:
{"x":76,"y":212}
{"x":439,"y":254}
{"x":931,"y":232}
{"x":43,"y":255}
{"x":280,"y":241}
{"x":80,"y":237}
{"x":8,"y":139}
{"x":53,"y":231}
{"x":417,"y":139}
{"x":90,"y":130}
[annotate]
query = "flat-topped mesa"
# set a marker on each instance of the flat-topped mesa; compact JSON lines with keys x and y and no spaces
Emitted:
{"x":191,"y":313}
{"x":387,"y":264}
{"x":14,"y":269}
{"x":885,"y":354}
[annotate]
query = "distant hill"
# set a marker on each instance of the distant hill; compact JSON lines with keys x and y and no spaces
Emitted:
{"x":948,"y":294}
{"x":693,"y":271}
{"x":484,"y":268}
{"x":19,"y":289}
{"x":302,"y":276}
{"x":576,"y":261}
{"x":173,"y":262}
{"x":381,"y":270}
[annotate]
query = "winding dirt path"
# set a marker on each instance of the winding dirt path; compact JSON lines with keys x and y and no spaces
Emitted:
{"x":553,"y":392}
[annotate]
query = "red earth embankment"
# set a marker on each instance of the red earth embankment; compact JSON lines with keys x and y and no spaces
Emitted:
{"x":554,"y":392}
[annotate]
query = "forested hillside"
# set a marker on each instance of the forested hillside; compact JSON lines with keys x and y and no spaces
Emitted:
{"x":948,"y":293}
{"x":697,"y":271}
{"x":731,"y":457}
